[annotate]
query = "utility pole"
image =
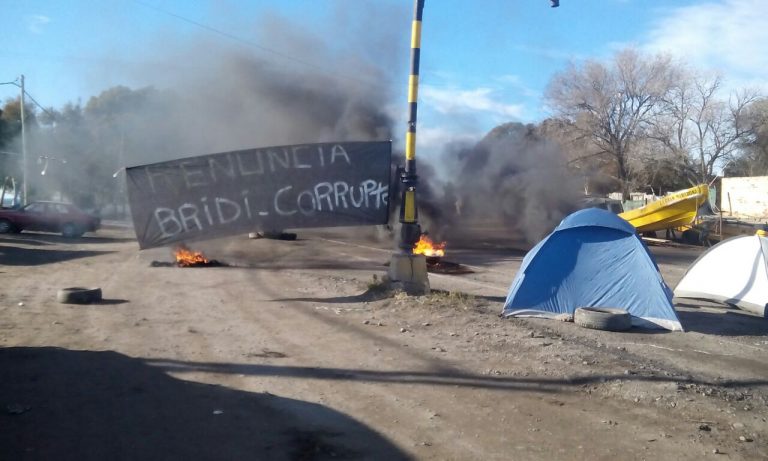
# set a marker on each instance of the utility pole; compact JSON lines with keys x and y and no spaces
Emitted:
{"x":405,"y":268}
{"x":23,"y":148}
{"x":410,"y":230}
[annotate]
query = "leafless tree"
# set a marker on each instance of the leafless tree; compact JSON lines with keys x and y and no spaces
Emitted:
{"x":697,"y":122}
{"x":753,"y":157}
{"x":612,"y":104}
{"x":756,"y":146}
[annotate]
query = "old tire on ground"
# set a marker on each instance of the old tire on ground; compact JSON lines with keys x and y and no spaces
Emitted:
{"x":6,"y":227}
{"x":78,"y":295}
{"x":599,"y":318}
{"x":279,"y":235}
{"x":71,"y":230}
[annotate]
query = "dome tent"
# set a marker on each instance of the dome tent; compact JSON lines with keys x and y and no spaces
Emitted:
{"x":592,"y":259}
{"x":735,"y":271}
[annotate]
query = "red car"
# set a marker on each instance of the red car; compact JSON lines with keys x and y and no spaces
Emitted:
{"x":65,"y":218}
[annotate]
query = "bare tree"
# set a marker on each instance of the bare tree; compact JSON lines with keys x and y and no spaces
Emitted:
{"x":719,"y":126}
{"x":696,"y":122}
{"x":754,"y":160}
{"x":613,"y":104}
{"x":669,"y":126}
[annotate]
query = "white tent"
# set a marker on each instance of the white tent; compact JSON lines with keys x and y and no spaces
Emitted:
{"x":735,"y":271}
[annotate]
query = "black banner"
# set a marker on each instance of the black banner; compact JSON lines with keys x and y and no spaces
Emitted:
{"x":271,"y":188}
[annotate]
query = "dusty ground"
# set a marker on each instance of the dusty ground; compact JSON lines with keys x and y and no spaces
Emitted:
{"x":296,"y":352}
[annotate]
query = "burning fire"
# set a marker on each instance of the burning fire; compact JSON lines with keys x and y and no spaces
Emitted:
{"x":425,"y":246}
{"x":186,"y":257}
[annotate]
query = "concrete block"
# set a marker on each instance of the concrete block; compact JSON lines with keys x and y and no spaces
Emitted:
{"x":409,"y":272}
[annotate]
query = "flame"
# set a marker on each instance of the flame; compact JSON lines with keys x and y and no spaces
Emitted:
{"x":186,"y":257}
{"x":425,"y":246}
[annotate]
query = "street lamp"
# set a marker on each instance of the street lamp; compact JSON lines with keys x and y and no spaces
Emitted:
{"x":120,"y":193}
{"x":45,"y":158}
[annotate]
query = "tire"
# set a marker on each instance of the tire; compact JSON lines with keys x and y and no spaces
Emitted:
{"x":78,"y":295}
{"x":598,"y":318}
{"x":691,"y":237}
{"x":6,"y":227}
{"x":279,"y":235}
{"x":70,"y":230}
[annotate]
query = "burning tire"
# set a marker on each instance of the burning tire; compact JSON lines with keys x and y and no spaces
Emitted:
{"x":598,"y":318}
{"x":78,"y":295}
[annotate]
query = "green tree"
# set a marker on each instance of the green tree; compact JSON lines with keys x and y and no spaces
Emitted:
{"x":10,"y":137}
{"x":95,"y":140}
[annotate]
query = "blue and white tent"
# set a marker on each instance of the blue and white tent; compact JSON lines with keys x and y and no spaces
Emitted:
{"x":592,"y":259}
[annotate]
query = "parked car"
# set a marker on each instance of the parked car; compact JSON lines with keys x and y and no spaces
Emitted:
{"x":65,"y":218}
{"x":591,"y":201}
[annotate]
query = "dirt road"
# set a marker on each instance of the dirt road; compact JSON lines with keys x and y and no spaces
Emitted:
{"x":296,"y":352}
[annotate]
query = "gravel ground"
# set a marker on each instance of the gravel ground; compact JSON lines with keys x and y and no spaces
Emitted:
{"x":297,"y":351}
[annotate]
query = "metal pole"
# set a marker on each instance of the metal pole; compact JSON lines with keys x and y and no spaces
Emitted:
{"x":2,"y":193}
{"x":121,"y":193}
{"x":23,"y":148}
{"x":410,"y":231}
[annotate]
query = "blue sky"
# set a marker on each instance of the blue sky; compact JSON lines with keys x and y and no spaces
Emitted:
{"x":483,"y":62}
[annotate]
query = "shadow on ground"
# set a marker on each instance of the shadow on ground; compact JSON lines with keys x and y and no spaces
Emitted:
{"x":726,"y":322}
{"x":80,"y":405}
{"x":110,"y":302}
{"x":32,"y":238}
{"x":681,"y":257}
{"x":444,"y":377}
{"x":379,"y":292}
{"x":372,"y":294}
{"x":15,"y":256}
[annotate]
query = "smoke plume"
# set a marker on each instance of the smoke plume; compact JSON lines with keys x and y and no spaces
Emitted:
{"x":513,"y":178}
{"x":213,"y":96}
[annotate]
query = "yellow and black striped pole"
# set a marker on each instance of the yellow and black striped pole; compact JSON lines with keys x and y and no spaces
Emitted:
{"x":410,"y":229}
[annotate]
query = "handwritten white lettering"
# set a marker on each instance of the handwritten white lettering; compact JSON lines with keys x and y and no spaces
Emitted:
{"x":221,"y":207}
{"x":191,"y":216}
{"x":193,"y":174}
{"x":165,"y":216}
{"x":278,"y":209}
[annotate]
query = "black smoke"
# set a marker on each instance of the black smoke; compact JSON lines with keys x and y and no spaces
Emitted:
{"x":211,"y":95}
{"x":513,"y":179}
{"x":337,"y":83}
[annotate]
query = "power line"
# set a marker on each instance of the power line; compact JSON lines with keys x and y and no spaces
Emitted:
{"x":15,"y":82}
{"x":39,"y":105}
